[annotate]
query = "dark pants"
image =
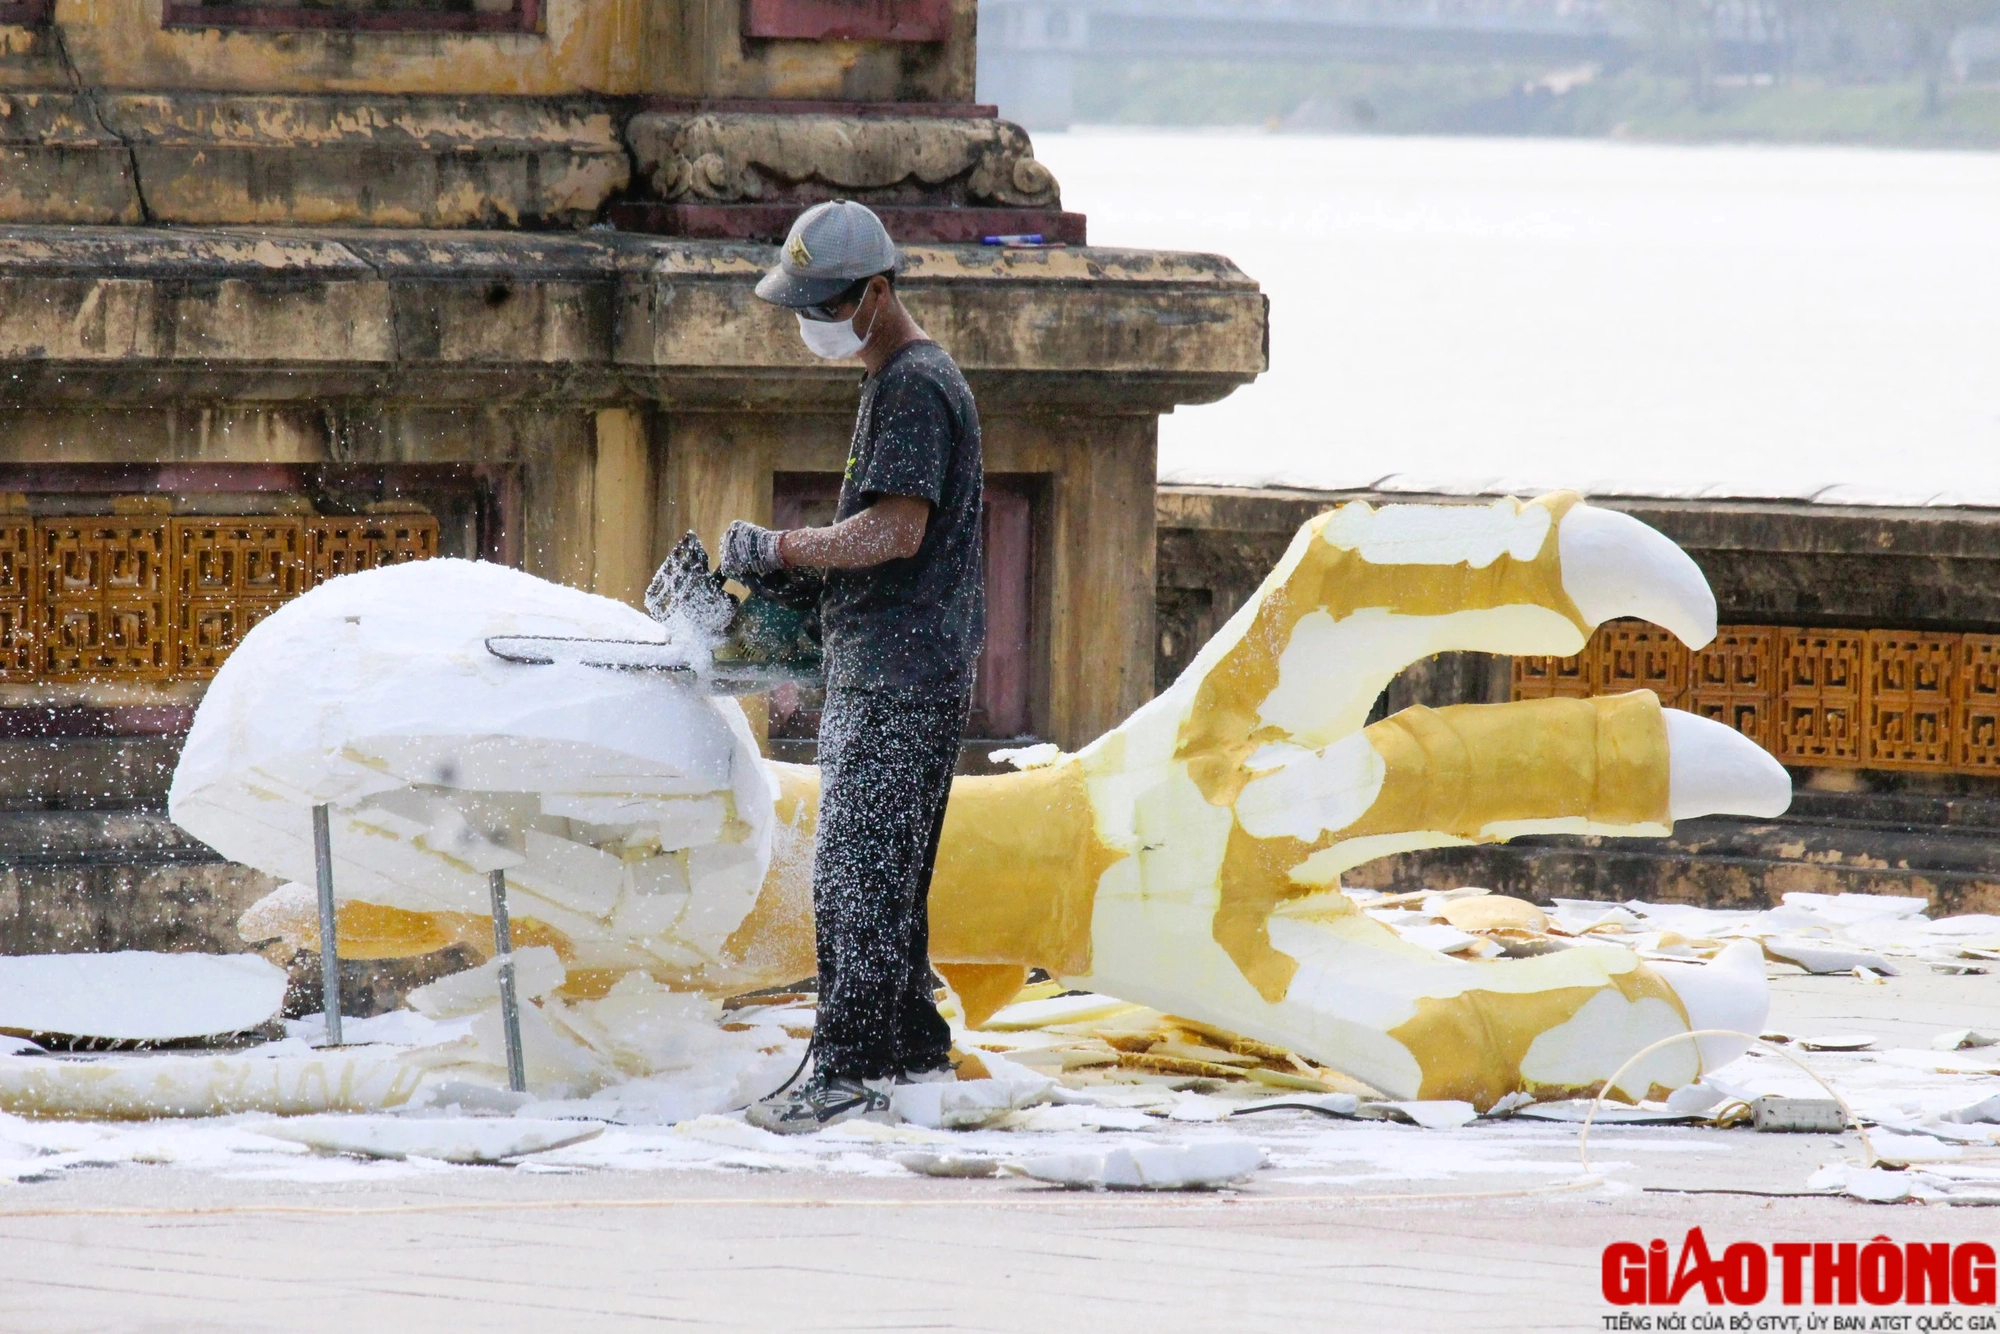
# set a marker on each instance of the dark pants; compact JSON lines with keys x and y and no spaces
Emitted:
{"x":885,"y":759}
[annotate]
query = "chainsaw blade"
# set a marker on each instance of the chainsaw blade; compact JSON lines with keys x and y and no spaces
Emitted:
{"x":640,"y":655}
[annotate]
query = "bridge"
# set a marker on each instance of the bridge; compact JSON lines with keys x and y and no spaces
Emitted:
{"x":1029,"y":50}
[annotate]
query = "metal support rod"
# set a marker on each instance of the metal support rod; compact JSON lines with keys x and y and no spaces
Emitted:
{"x":510,"y":1005}
{"x":329,"y":934}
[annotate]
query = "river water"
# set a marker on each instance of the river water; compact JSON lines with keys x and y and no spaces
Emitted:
{"x":1626,"y":318}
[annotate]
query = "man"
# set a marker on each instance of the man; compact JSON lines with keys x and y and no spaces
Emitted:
{"x":902,"y":617}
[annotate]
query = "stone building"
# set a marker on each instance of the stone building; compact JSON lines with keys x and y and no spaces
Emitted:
{"x":290,"y":287}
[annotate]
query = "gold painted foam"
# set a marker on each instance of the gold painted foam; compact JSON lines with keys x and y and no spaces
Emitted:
{"x":1470,"y":1046}
{"x":1222,"y":728}
{"x":1017,"y":871}
{"x":983,"y":988}
{"x":1464,"y":768}
{"x":1457,"y":771}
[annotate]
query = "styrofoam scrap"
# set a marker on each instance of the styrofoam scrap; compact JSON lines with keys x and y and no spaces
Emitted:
{"x":1038,"y":756}
{"x":1575,"y":1110}
{"x":464,"y":1096}
{"x":967,"y":1104}
{"x":135,"y":996}
{"x":1059,"y":1054}
{"x":1874,"y":1184}
{"x":1983,"y":1062}
{"x":875,"y":1132}
{"x":948,"y":1164}
{"x":1869,"y":976}
{"x":1198,"y":1107}
{"x":1444,"y":939}
{"x":1074,"y":1117}
{"x":1986,"y":1111}
{"x":1190,"y":1051}
{"x":537,"y":971}
{"x":1697,"y":1097}
{"x":1848,"y":908}
{"x":1136,"y":1097}
{"x":1838,"y":1042}
{"x":733,"y":1132}
{"x":1900,"y":1150}
{"x":1959,"y":1039}
{"x":395,"y":1028}
{"x":1579,"y":915}
{"x":1055,"y":1010}
{"x":116,"y":1088}
{"x":1437,"y":1114}
{"x":999,"y":1067}
{"x":451,"y":1139}
{"x":1202,"y":1165}
{"x":1824,"y":957}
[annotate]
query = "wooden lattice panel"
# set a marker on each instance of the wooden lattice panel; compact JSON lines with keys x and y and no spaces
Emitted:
{"x":17,"y":599}
{"x":1819,"y":696}
{"x":229,"y":574}
{"x":255,"y":558}
{"x":1637,"y":655}
{"x":104,"y":591}
{"x":1537,"y":677}
{"x":350,"y":545}
{"x":1735,"y":681}
{"x":1976,"y":739}
{"x":1909,"y":700}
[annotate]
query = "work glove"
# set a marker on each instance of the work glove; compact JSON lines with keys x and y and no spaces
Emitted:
{"x":749,"y":551}
{"x":686,"y":592}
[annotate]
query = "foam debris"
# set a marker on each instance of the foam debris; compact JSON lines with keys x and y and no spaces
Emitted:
{"x":132,"y":996}
{"x":1204,"y":1165}
{"x":450,"y":1139}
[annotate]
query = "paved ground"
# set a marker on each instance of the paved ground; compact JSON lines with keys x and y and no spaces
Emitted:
{"x":758,"y":1253}
{"x":505,"y":1249}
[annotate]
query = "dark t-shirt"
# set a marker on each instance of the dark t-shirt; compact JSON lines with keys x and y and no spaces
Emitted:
{"x":918,"y":620}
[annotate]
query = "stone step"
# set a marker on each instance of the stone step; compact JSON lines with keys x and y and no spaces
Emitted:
{"x":1723,"y":863}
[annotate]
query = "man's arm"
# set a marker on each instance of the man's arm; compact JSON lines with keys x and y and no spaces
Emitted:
{"x":890,"y":529}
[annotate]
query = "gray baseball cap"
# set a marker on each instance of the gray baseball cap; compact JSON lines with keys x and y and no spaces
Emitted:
{"x":831,"y":247}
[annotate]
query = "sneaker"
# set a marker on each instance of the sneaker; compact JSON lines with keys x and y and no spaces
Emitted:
{"x":820,"y":1101}
{"x":942,"y":1074}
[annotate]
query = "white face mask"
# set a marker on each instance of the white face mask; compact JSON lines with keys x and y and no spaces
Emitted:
{"x":835,"y":340}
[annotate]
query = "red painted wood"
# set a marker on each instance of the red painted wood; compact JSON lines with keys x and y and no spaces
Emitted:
{"x":71,"y":721}
{"x":907,"y":223}
{"x":1003,"y":694}
{"x":526,"y":16}
{"x":848,"y":20}
{"x":1000,"y":702}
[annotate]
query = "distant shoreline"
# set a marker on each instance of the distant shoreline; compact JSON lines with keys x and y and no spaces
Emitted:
{"x":1582,"y":103}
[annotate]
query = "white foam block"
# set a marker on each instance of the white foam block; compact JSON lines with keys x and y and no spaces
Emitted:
{"x":1202,"y":1165}
{"x":451,"y":1139}
{"x":133,"y":996}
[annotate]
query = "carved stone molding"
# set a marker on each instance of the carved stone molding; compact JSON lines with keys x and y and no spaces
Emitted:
{"x":748,"y":158}
{"x":198,"y":158}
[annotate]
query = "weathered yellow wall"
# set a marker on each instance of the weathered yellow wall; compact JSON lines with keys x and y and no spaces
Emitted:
{"x":680,"y":48}
{"x":622,"y":507}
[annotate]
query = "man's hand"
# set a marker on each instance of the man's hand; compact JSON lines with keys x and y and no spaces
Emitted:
{"x":748,"y":550}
